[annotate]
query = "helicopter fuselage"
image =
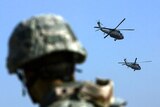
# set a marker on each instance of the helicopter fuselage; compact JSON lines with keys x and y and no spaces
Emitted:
{"x":113,"y":33}
{"x":133,"y":66}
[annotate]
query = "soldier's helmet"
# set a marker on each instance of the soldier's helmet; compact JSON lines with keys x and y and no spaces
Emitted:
{"x":39,"y":36}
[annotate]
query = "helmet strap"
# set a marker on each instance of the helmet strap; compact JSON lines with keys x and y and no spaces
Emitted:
{"x":21,"y":76}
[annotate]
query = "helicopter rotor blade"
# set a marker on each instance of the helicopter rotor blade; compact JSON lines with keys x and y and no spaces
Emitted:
{"x":119,"y":23}
{"x":98,"y":28}
{"x":106,"y":35}
{"x":126,"y":29}
{"x":122,"y":63}
{"x":135,"y":60}
{"x":144,"y":61}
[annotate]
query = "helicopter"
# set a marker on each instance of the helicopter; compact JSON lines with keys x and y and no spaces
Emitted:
{"x":133,"y":65}
{"x":112,"y":32}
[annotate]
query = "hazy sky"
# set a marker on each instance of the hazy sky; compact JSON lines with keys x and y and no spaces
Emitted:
{"x":139,"y":88}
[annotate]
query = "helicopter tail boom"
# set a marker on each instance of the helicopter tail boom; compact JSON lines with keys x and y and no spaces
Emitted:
{"x":99,"y":25}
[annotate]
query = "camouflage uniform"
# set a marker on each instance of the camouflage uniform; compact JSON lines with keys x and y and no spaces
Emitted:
{"x":43,"y":52}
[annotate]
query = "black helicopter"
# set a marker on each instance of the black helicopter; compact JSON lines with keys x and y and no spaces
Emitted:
{"x":134,"y":65}
{"x":114,"y":33}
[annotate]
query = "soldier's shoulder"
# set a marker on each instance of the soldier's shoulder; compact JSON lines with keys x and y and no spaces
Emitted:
{"x":71,"y":103}
{"x":85,"y":93}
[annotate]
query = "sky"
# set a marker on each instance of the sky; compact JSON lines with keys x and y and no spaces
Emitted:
{"x":139,"y":88}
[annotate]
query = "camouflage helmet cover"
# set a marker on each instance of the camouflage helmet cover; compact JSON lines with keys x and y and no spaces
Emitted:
{"x":41,"y":35}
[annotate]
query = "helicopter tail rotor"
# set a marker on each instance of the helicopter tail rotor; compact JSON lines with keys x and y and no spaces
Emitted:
{"x":106,"y":35}
{"x":99,"y":25}
{"x":125,"y":61}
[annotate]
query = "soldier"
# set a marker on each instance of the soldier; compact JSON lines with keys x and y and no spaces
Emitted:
{"x":43,"y":52}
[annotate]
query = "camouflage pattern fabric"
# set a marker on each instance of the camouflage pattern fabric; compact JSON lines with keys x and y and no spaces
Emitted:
{"x":80,"y":94}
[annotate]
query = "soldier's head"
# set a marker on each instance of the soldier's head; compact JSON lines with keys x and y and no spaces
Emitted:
{"x":43,"y":51}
